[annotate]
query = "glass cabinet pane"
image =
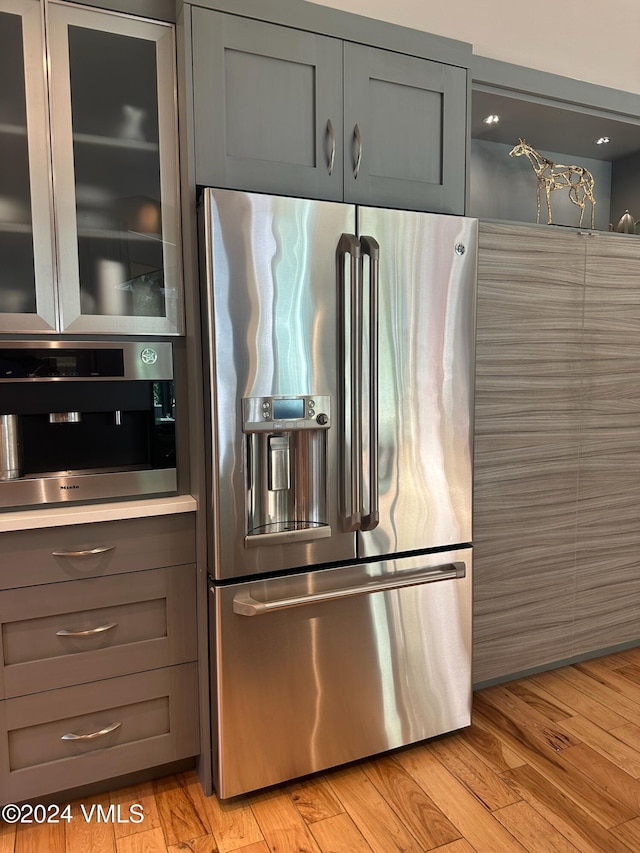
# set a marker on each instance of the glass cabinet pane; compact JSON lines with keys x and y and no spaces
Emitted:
{"x":18,"y":282}
{"x":117,"y":173}
{"x":26,"y":262}
{"x":114,"y":149}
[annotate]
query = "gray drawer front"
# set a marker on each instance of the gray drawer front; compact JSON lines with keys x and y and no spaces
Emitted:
{"x":157,"y":713}
{"x":123,"y":546}
{"x":142,"y":621}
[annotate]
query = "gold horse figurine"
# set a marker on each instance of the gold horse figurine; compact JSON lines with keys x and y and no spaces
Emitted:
{"x":578,"y":180}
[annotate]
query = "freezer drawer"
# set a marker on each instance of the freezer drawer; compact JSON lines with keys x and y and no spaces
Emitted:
{"x":318,"y":669}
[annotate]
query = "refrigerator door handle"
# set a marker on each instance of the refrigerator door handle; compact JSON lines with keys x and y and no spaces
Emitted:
{"x":245,"y":605}
{"x":371,"y":248}
{"x":350,"y":366}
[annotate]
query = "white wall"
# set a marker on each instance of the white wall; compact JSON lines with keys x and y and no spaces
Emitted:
{"x":594,"y":41}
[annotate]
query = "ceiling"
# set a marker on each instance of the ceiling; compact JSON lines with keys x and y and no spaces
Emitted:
{"x":551,"y":128}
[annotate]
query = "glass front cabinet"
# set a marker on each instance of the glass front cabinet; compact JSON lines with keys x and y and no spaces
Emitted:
{"x":89,"y":215}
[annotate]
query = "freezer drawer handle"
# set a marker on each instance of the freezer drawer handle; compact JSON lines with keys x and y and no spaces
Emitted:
{"x":245,"y":605}
{"x":87,"y":552}
{"x":90,"y":632}
{"x":92,"y":735}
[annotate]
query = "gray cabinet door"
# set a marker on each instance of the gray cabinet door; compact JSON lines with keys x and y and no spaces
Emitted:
{"x":268,"y":107}
{"x":56,"y":635}
{"x":404,"y":131}
{"x":114,"y":154}
{"x":79,"y":551}
{"x":63,"y":739}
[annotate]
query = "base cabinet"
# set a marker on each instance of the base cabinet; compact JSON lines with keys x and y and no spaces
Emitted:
{"x":67,"y":738}
{"x":556,"y":454}
{"x":98,"y":673}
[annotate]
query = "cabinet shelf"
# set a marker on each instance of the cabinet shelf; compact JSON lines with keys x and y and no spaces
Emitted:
{"x":15,"y":228}
{"x":13,"y":129}
{"x":114,"y":234}
{"x":504,"y":188}
{"x":115,"y":142}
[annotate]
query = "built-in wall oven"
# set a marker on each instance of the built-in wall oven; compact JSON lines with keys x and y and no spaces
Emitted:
{"x":85,"y":421}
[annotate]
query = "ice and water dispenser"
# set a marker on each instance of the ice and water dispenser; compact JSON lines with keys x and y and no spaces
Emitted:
{"x":286,"y":468}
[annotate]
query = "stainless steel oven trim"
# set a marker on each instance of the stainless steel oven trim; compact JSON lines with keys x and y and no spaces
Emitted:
{"x":143,"y":360}
{"x":87,"y":487}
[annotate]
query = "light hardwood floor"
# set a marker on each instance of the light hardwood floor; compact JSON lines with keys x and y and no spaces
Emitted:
{"x":551,"y":764}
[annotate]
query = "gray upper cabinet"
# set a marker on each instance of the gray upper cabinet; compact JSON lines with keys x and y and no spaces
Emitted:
{"x":89,"y":228}
{"x":287,"y":111}
{"x":268,"y":107}
{"x":115,"y":172}
{"x":405,"y":124}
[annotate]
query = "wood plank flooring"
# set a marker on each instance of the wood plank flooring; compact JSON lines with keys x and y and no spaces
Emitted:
{"x":551,"y":764}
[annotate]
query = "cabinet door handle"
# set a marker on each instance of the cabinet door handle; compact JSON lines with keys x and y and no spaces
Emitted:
{"x":358,"y":138}
{"x":90,"y":632}
{"x":332,"y":141}
{"x":92,"y":735}
{"x":87,"y":552}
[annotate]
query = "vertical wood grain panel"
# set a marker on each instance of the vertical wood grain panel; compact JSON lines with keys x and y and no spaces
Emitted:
{"x":529,"y":340}
{"x":608,"y":561}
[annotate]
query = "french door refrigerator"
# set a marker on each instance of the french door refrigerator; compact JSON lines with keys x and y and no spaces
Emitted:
{"x":340,"y":350}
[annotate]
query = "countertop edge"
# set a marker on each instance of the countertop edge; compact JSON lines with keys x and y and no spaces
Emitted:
{"x":86,"y":514}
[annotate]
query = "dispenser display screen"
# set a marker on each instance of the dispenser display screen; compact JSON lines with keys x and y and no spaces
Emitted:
{"x":288,"y":410}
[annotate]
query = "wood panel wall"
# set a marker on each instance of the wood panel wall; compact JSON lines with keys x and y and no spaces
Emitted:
{"x":557,"y":449}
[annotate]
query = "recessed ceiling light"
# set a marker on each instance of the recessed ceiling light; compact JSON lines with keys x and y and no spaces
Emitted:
{"x":493,"y":119}
{"x":602,"y":140}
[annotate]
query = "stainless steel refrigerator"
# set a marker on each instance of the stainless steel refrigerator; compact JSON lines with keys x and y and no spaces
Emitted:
{"x":340,"y":358}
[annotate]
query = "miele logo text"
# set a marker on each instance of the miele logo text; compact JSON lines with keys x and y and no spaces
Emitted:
{"x":69,"y":487}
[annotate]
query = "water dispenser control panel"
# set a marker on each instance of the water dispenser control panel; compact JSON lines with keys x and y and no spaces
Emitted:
{"x":272,"y":414}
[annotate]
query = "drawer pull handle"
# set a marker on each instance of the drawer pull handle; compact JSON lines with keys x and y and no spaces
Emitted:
{"x":90,"y":632}
{"x":88,"y":552}
{"x":92,"y":735}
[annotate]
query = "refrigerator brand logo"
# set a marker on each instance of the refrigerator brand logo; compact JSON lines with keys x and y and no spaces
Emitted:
{"x":67,"y":488}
